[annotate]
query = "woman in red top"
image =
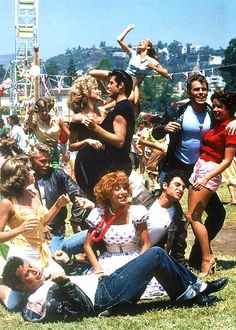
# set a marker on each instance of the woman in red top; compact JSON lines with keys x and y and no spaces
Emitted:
{"x":217,"y":153}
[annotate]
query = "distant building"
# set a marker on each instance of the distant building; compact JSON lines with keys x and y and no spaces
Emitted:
{"x":215,"y":82}
{"x":119,"y":54}
{"x":215,"y":60}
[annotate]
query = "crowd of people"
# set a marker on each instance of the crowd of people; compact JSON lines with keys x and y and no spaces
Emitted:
{"x":127,"y":241}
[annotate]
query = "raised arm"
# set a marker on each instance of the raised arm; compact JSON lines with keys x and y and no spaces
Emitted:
{"x":62,"y":201}
{"x":120,"y":38}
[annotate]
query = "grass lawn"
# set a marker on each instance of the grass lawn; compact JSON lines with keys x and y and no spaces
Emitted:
{"x":160,"y":314}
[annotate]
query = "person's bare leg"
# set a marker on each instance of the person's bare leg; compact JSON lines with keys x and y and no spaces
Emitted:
{"x":197,"y":202}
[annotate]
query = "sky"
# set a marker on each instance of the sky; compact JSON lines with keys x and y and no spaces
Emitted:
{"x":71,"y":23}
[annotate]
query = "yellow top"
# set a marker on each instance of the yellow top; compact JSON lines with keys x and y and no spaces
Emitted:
{"x":43,"y":132}
{"x":34,"y":237}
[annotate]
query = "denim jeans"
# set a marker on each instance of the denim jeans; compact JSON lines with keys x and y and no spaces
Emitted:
{"x":56,"y":240}
{"x":128,"y":282}
{"x":75,"y":243}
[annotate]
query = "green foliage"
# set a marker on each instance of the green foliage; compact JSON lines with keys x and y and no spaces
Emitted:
{"x":229,"y":74}
{"x":104,"y":64}
{"x":2,"y":72}
{"x":52,"y":68}
{"x":3,"y":250}
{"x":4,"y":110}
{"x":71,"y":72}
{"x":156,"y":95}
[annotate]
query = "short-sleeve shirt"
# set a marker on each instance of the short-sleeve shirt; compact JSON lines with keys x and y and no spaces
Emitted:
{"x":215,"y":141}
{"x":138,"y":66}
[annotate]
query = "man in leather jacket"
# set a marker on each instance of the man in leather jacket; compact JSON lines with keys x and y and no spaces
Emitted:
{"x":51,"y":183}
{"x":76,"y":296}
{"x":167,"y":224}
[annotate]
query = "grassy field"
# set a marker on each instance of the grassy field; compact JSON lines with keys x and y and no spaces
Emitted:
{"x":160,"y":314}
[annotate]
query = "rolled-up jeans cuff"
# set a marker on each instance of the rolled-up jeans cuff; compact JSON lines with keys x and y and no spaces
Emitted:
{"x":188,"y":294}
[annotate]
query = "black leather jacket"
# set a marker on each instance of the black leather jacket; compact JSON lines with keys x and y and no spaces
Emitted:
{"x":175,"y":240}
{"x":56,"y":183}
{"x":174,"y":114}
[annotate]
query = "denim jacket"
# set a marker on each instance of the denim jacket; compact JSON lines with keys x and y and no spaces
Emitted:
{"x":175,"y":240}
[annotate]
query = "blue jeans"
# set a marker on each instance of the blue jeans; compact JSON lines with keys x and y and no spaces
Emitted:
{"x":74,"y":244}
{"x":56,"y":240}
{"x":128,"y":283}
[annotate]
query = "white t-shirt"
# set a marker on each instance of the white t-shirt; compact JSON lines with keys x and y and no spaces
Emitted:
{"x":159,"y":221}
{"x":18,"y":134}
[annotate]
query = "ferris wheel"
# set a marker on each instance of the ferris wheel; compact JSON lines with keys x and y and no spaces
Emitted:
{"x":22,"y":69}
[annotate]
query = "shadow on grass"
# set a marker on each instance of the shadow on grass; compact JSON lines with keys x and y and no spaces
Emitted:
{"x":140,"y":308}
{"x":226,"y":264}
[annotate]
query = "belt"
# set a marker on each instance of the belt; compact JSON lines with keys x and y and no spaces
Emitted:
{"x":121,"y":248}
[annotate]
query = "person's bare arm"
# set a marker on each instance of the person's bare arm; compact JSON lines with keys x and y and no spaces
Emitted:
{"x":230,"y":152}
{"x":88,"y":244}
{"x":6,"y":210}
{"x":144,"y":237}
{"x":117,"y":138}
{"x":120,"y":38}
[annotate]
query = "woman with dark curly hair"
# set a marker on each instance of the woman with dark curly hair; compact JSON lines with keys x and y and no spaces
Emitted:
{"x":121,"y":226}
{"x":22,"y":211}
{"x":216,"y":155}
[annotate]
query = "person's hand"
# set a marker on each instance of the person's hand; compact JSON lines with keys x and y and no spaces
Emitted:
{"x":90,"y":123}
{"x":172,"y":127}
{"x":99,"y":273}
{"x":130,"y":27}
{"x":30,"y":110}
{"x":231,"y":127}
{"x":84,"y":203}
{"x":59,"y":277}
{"x":28,"y":225}
{"x":63,"y":200}
{"x":60,"y":257}
{"x":150,"y":65}
{"x":47,"y":232}
{"x":200,"y":183}
{"x":78,"y":118}
{"x":94,"y":143}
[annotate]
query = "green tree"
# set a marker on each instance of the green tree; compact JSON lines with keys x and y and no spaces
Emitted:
{"x":4,"y":110}
{"x":2,"y":72}
{"x":104,"y":64}
{"x":70,"y":72}
{"x":229,"y":74}
{"x":52,"y":68}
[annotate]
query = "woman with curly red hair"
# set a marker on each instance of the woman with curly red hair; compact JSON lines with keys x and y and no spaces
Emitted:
{"x":120,"y":225}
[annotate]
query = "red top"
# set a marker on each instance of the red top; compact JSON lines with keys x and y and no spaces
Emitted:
{"x":215,"y":142}
{"x":63,"y":137}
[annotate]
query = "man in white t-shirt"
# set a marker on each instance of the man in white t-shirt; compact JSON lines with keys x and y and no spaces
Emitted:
{"x":17,"y":134}
{"x":167,"y":224}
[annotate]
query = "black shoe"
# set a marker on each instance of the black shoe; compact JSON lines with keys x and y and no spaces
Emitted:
{"x":200,"y":300}
{"x":215,"y":286}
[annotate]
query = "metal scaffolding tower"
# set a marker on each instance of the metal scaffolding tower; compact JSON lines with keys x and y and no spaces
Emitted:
{"x":26,"y":34}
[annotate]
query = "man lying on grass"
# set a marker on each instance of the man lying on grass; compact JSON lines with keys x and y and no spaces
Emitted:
{"x":63,"y":297}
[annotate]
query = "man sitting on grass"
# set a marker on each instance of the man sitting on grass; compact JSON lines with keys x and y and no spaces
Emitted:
{"x":64,"y":297}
